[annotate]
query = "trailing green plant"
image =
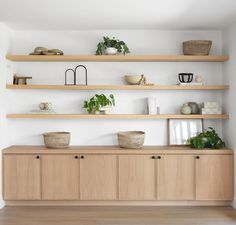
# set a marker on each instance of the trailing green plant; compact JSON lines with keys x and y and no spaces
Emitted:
{"x":112,"y":43}
{"x":98,"y":101}
{"x":206,"y":139}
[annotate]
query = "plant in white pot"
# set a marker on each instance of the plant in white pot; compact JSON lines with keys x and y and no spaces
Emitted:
{"x":99,"y":104}
{"x":111,"y":46}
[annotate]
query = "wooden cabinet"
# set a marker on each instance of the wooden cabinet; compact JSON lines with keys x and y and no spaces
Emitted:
{"x":60,"y":177}
{"x":214,"y":177}
{"x":137,"y":177}
{"x":130,"y":175}
{"x":98,"y":177}
{"x":175,"y":177}
{"x":21,"y":177}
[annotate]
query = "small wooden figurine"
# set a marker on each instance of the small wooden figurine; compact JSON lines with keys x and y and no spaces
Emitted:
{"x":20,"y":80}
{"x":143,"y":81}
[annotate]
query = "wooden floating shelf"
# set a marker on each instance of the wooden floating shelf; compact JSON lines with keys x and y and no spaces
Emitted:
{"x":116,"y":58}
{"x":115,"y":116}
{"x":118,"y":87}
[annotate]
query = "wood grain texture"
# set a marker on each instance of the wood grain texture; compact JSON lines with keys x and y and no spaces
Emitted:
{"x":98,"y":150}
{"x":21,"y":177}
{"x":60,"y":177}
{"x":176,"y":177}
{"x":215,"y":177}
{"x":119,"y":203}
{"x":115,"y":116}
{"x":117,"y":216}
{"x":137,"y":177}
{"x":117,"y":58}
{"x":115,"y":87}
{"x":98,"y":177}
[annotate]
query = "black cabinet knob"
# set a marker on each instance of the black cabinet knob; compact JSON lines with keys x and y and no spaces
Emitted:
{"x":82,"y":157}
{"x":153,"y":157}
{"x":197,"y":157}
{"x":159,"y":157}
{"x":76,"y":157}
{"x":37,"y":157}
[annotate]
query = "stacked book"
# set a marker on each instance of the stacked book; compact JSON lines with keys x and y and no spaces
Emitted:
{"x":191,"y":84}
{"x":211,"y":108}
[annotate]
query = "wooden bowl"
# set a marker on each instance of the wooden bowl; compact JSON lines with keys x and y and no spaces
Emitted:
{"x":133,"y":79}
{"x":57,"y":139}
{"x":131,"y":139}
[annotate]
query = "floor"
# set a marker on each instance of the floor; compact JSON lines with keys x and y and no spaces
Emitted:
{"x":138,"y":215}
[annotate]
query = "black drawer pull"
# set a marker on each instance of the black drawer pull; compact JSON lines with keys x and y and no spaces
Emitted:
{"x":37,"y":157}
{"x":197,"y":157}
{"x":159,"y":157}
{"x":82,"y":157}
{"x":76,"y":157}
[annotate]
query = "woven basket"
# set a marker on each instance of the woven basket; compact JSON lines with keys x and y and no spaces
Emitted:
{"x":57,"y":139}
{"x":197,"y":47}
{"x":131,"y":139}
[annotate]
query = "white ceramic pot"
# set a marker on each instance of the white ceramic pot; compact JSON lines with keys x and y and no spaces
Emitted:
{"x":105,"y":110}
{"x":111,"y":51}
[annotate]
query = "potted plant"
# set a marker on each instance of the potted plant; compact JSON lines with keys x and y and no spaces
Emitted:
{"x":111,"y":46}
{"x":206,"y":139}
{"x":99,"y":104}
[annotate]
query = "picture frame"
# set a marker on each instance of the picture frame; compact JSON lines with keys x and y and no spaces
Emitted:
{"x":179,"y":130}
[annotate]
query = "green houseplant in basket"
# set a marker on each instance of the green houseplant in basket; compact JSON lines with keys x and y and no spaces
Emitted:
{"x":206,"y":139}
{"x":99,"y":103}
{"x":111,"y":46}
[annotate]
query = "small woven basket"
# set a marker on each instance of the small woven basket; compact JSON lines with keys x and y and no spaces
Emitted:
{"x":197,"y":47}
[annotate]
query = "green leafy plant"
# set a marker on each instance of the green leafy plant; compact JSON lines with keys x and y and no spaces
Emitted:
{"x":206,"y":139}
{"x":98,"y":101}
{"x":112,"y":43}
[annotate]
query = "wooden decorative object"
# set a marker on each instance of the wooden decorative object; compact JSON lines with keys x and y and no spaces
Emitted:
{"x":20,"y":80}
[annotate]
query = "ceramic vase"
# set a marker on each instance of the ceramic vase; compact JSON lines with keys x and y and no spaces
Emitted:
{"x":186,"y":109}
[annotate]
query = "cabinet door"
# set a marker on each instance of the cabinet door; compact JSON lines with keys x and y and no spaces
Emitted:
{"x":137,"y":177}
{"x":21,"y":177}
{"x":98,"y":180}
{"x":214,"y":177}
{"x":176,"y":177}
{"x":60,"y":177}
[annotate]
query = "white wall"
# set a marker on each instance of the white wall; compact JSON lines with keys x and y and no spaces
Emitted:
{"x":89,"y":132}
{"x":4,"y":127}
{"x":229,"y":68}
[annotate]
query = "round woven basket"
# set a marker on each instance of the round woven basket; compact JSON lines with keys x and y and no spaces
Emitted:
{"x":197,"y":47}
{"x":131,"y":139}
{"x":57,"y":139}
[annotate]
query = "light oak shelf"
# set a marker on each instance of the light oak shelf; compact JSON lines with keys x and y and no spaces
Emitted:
{"x":118,"y":87}
{"x":116,"y":58}
{"x":115,"y":116}
{"x":99,"y":149}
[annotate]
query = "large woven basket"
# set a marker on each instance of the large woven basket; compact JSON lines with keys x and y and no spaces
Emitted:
{"x":57,"y":139}
{"x":131,"y":139}
{"x":197,"y":47}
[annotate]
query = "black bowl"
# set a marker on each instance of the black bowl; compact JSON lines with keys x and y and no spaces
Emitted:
{"x":185,"y":77}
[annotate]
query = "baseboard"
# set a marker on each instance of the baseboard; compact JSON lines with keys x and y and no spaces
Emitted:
{"x":118,"y":203}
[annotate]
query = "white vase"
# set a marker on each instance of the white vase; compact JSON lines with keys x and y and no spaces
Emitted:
{"x":111,"y":51}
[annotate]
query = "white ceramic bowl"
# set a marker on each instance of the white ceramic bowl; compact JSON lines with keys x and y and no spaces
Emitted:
{"x":133,"y":79}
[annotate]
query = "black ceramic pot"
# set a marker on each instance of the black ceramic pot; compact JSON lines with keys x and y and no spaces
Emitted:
{"x":185,"y":77}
